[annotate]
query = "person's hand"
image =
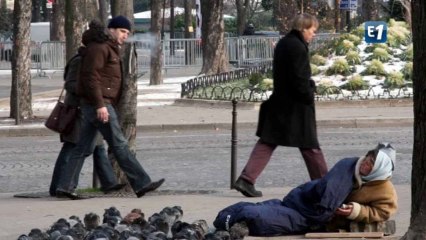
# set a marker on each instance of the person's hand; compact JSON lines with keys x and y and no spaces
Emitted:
{"x":102,"y":114}
{"x":344,"y":210}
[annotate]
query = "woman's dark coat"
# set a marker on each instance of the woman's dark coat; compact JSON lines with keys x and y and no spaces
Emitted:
{"x":287,"y":118}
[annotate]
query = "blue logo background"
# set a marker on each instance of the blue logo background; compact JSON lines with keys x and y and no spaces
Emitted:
{"x":375,"y":32}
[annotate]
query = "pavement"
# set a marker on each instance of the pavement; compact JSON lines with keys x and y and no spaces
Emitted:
{"x":160,"y":109}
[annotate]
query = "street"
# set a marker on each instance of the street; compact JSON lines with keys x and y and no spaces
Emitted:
{"x":200,"y":160}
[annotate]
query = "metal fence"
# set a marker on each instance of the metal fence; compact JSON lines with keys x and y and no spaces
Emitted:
{"x":177,"y":53}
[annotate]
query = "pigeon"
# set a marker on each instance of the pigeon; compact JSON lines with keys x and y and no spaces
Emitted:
{"x":135,"y":214}
{"x":24,"y":237}
{"x":224,"y":235}
{"x":112,"y":216}
{"x":239,"y":230}
{"x":159,"y":223}
{"x":37,"y":234}
{"x":91,"y":221}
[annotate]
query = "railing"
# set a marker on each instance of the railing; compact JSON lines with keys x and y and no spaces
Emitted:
{"x":247,"y":51}
{"x":189,"y":88}
{"x":211,"y":88}
{"x":6,"y":55}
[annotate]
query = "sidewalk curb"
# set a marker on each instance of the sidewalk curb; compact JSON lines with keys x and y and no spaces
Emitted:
{"x":402,"y":102}
{"x":41,"y":130}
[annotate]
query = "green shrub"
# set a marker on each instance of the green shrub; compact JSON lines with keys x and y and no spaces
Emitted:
{"x":380,"y":54}
{"x":314,"y":70}
{"x":345,"y":46}
{"x":318,"y":60}
{"x":266,"y":84}
{"x":351,"y":37}
{"x":326,"y":86}
{"x":407,"y":55}
{"x":255,"y":79}
{"x":353,"y":58}
{"x":327,"y":49}
{"x":355,"y":83}
{"x":398,"y":35}
{"x":340,"y":66}
{"x":393,"y":23}
{"x":269,"y":74}
{"x":359,"y":31}
{"x":375,"y":68}
{"x":370,"y":48}
{"x":407,"y":71}
{"x":394,"y":80}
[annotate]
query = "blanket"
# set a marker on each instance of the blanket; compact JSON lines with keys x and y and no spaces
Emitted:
{"x":305,"y":208}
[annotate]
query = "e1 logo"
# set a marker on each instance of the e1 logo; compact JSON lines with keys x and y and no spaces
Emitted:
{"x":375,"y":32}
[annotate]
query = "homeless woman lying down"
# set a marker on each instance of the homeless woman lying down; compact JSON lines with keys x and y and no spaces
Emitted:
{"x":355,"y":189}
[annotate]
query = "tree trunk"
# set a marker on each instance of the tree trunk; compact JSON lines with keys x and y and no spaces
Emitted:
{"x":57,"y":32}
{"x":172,"y":27}
{"x":212,"y":38}
{"x":337,"y":15}
{"x":189,"y":29}
{"x":103,"y":11}
{"x":21,"y":97}
{"x":156,"y":77}
{"x":284,"y":11}
{"x":36,"y":16}
{"x":370,"y":10}
{"x":242,"y":10}
{"x":91,"y":10}
{"x":417,"y":228}
{"x":189,"y":33}
{"x":406,"y":4}
{"x":74,"y":25}
{"x":127,"y":107}
{"x":47,"y":12}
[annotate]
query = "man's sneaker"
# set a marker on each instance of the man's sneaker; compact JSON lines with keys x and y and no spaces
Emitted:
{"x":149,"y":187}
{"x":116,"y":187}
{"x":70,"y":195}
{"x":246,"y":188}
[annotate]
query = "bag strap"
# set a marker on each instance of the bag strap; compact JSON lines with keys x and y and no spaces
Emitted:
{"x":62,"y":92}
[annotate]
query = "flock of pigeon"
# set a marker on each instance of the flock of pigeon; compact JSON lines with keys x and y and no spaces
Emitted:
{"x":164,"y":225}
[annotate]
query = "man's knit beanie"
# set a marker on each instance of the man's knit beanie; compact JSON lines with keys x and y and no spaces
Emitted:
{"x":120,"y":22}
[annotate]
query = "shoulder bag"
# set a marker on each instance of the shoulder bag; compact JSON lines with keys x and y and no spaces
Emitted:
{"x":62,"y":118}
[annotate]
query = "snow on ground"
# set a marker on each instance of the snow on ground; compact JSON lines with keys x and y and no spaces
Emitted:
{"x":376,"y":83}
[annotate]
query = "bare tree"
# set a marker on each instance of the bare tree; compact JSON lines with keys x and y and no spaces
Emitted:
{"x":74,"y":26}
{"x":6,"y":16}
{"x":91,"y":10}
{"x":127,"y":107}
{"x":370,"y":10}
{"x":215,"y":59}
{"x":417,"y":228}
{"x":242,"y":11}
{"x":406,"y":4}
{"x":103,"y":11}
{"x":337,"y":15}
{"x":20,"y":97}
{"x":36,"y":16}
{"x":284,"y":11}
{"x":57,"y":30}
{"x":156,"y":77}
{"x":189,"y":33}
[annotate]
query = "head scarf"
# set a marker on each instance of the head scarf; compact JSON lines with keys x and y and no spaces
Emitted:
{"x":383,"y":165}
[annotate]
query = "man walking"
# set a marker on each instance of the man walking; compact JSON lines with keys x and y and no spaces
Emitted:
{"x":100,"y":88}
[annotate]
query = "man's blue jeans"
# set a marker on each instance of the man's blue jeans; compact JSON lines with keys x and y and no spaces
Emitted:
{"x":100,"y":160}
{"x":111,"y":131}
